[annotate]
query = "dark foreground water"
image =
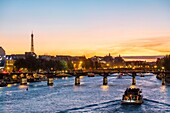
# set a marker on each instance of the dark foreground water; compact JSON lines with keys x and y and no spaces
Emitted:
{"x":90,"y":96}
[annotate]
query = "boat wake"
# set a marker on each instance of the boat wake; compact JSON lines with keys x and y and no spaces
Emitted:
{"x":147,"y":101}
{"x":92,"y":107}
{"x":116,"y":107}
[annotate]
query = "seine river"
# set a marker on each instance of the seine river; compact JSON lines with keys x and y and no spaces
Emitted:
{"x":90,"y":96}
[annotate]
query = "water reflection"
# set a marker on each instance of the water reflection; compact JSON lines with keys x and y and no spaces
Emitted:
{"x":51,"y":87}
{"x":23,"y":87}
{"x":81,"y":77}
{"x":9,"y":85}
{"x":76,"y":88}
{"x":64,"y":78}
{"x":104,"y":87}
{"x":9,"y":93}
{"x":15,"y":84}
{"x":163,"y":88}
{"x":1,"y":88}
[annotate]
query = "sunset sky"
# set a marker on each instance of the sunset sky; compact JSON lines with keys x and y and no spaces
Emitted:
{"x":86,"y":27}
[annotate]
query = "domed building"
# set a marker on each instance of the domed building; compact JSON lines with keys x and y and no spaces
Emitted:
{"x":109,"y":61}
{"x":119,"y":61}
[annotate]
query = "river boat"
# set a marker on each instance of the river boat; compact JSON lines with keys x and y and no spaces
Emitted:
{"x":3,"y":83}
{"x":62,"y":75}
{"x":120,"y":76}
{"x":132,"y":96}
{"x":148,"y":74}
{"x":90,"y":74}
{"x":142,"y":75}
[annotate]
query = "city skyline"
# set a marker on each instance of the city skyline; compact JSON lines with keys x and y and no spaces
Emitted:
{"x":128,"y":28}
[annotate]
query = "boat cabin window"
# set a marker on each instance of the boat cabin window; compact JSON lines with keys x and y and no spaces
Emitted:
{"x":134,"y":91}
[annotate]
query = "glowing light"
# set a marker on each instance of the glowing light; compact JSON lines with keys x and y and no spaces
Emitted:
{"x":107,"y":64}
{"x":163,"y":68}
{"x":81,"y":77}
{"x":155,"y":66}
{"x":14,"y":77}
{"x":115,"y":67}
{"x":9,"y":85}
{"x":23,"y":86}
{"x":4,"y":72}
{"x":132,"y":86}
{"x":104,"y":87}
{"x":163,"y":88}
{"x":121,"y":66}
{"x":74,"y":65}
{"x":130,"y":66}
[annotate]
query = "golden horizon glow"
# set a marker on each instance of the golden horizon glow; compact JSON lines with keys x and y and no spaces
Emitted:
{"x":92,"y":28}
{"x":140,"y":47}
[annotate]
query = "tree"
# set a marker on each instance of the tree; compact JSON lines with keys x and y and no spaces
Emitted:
{"x":49,"y":65}
{"x":88,"y":64}
{"x":159,"y":63}
{"x":61,"y":65}
{"x":31,"y":63}
{"x":70,"y":65}
{"x":64,"y":64}
{"x":166,"y":62}
{"x":20,"y":63}
{"x":97,"y":65}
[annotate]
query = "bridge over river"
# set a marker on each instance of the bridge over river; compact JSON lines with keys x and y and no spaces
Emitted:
{"x":23,"y":78}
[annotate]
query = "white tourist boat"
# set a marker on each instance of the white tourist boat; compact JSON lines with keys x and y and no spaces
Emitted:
{"x":132,"y":95}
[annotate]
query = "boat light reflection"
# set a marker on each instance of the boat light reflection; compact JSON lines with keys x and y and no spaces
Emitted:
{"x":104,"y":87}
{"x":9,"y":85}
{"x":23,"y":86}
{"x":163,"y":88}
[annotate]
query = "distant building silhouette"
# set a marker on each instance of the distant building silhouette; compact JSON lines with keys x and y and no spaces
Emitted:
{"x":29,"y":54}
{"x":46,"y":57}
{"x":119,"y":61}
{"x":2,"y":58}
{"x":15,"y":56}
{"x":108,"y":58}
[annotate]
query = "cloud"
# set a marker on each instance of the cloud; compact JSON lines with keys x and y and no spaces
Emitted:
{"x":143,"y":46}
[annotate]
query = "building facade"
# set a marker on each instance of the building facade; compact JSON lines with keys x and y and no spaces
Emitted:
{"x":2,"y":58}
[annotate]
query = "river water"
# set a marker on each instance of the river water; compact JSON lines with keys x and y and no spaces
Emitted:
{"x":90,"y":96}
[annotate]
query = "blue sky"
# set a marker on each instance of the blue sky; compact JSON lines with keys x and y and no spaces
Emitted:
{"x":86,"y":27}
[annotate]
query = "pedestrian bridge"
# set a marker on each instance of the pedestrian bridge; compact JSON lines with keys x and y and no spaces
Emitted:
{"x":23,"y":78}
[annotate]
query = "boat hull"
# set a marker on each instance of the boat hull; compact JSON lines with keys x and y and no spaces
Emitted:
{"x":131,"y":102}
